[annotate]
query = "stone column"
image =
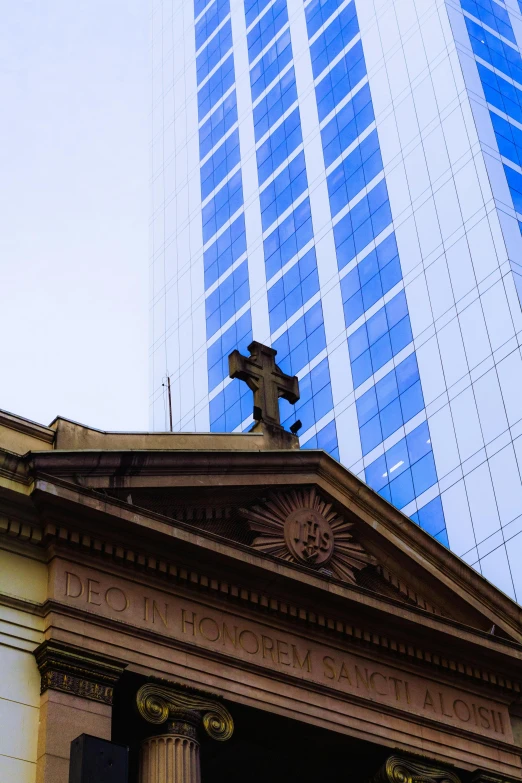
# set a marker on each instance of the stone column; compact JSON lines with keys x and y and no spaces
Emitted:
{"x":76,"y":698}
{"x":402,"y":769}
{"x":173,"y":755}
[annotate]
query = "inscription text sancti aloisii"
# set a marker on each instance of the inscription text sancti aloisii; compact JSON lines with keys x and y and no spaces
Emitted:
{"x":240,"y":638}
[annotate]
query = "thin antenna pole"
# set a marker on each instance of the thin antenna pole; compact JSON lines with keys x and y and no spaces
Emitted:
{"x":170,"y":401}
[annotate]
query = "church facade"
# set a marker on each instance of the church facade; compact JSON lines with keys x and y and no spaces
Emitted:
{"x":230,"y":607}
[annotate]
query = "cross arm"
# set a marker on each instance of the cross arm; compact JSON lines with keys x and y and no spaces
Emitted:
{"x":237,"y":369}
{"x":288,"y":386}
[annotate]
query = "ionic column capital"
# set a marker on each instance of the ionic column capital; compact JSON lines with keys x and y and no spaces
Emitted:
{"x":173,"y":757}
{"x":398,"y":769}
{"x":159,"y":704}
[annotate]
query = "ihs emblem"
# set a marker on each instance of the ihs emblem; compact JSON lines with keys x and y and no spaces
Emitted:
{"x":300,"y":527}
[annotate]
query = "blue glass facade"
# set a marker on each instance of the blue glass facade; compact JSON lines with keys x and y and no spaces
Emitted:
{"x":361,"y":214}
{"x":497,"y":59}
{"x":346,"y":186}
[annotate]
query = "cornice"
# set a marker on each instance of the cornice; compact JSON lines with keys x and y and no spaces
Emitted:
{"x":117,"y":468}
{"x":21,"y":531}
{"x":22,"y":604}
{"x":26,"y":426}
{"x":13,"y":468}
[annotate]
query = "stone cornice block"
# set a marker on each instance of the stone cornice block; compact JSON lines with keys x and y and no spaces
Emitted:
{"x":75,"y":671}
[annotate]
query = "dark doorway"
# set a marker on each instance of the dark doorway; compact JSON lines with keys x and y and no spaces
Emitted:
{"x":268,"y":747}
{"x":264,"y":746}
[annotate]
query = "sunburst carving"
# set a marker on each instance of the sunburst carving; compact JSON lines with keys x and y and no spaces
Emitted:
{"x":300,"y":527}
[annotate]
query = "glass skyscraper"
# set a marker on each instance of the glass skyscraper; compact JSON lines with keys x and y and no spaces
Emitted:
{"x":343,"y":180}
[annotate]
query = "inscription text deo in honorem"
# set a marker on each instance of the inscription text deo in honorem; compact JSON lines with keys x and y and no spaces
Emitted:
{"x":192,"y":623}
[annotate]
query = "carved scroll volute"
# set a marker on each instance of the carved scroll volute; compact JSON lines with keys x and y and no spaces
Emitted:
{"x":158,"y":704}
{"x":405,"y":770}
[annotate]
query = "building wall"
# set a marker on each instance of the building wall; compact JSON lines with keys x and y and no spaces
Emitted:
{"x":21,"y":579}
{"x":458,"y":234}
{"x":327,"y":179}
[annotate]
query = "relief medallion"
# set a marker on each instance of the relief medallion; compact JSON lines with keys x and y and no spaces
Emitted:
{"x":308,"y":536}
{"x":301,"y":527}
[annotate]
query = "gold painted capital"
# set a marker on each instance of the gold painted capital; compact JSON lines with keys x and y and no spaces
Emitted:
{"x":406,"y":770}
{"x":72,"y":670}
{"x":158,"y":704}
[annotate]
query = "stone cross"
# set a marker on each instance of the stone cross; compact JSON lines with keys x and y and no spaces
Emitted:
{"x":267,"y":381}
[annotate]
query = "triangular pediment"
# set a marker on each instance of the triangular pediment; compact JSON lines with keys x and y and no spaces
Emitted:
{"x":269,"y":521}
{"x":225,"y":498}
{"x":307,"y":512}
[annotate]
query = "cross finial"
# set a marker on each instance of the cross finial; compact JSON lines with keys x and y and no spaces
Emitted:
{"x":267,"y":381}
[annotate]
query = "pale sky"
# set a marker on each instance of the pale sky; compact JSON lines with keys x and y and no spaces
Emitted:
{"x":74,"y":210}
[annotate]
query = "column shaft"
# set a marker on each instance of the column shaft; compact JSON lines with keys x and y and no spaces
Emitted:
{"x":170,"y":759}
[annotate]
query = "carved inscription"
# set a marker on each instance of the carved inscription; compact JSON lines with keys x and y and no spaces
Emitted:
{"x":269,"y":648}
{"x":239,"y":638}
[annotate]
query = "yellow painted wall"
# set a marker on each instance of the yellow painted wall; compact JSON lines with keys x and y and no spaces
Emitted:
{"x":22,"y":577}
{"x":20,"y":632}
{"x":21,"y":442}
